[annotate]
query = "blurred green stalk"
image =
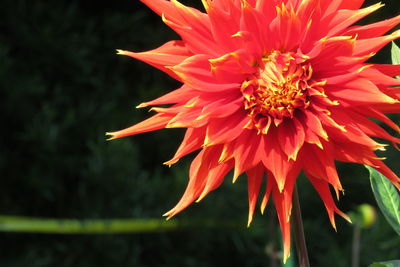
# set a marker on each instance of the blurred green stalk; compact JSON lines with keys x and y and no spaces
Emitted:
{"x":104,"y":226}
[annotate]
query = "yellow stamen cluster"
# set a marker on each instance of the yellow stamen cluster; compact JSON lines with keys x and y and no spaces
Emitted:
{"x":278,"y":89}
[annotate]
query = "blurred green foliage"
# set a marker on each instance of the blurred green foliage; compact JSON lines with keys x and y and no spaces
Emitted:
{"x":62,"y":87}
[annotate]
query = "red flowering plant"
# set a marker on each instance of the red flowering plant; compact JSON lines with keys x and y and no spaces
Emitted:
{"x":272,"y":88}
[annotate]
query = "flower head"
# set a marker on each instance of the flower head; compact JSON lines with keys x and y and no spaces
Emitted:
{"x":272,"y":88}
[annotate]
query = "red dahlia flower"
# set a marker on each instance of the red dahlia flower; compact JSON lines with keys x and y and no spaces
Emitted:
{"x":270,"y":88}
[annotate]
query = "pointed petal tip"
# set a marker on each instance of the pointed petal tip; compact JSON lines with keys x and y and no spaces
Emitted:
{"x":263,"y":205}
{"x":120,"y":52}
{"x":248,"y":223}
{"x":112,"y":136}
{"x":205,"y":4}
{"x":332,"y":220}
{"x":171,"y":162}
{"x":346,"y":217}
{"x":201,"y":197}
{"x":395,"y":34}
{"x":250,"y":218}
{"x":286,"y":256}
{"x":262,"y":209}
{"x":292,"y":157}
{"x":169,"y":215}
{"x":236,"y":175}
{"x":281,"y":186}
{"x":142,"y":105}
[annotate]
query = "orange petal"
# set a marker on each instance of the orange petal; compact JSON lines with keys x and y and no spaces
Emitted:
{"x":254,"y":179}
{"x":196,"y":72}
{"x":374,"y":29}
{"x":344,"y":18}
{"x":376,"y":114}
{"x":291,"y":137}
{"x":154,"y":123}
{"x":276,"y":161}
{"x":322,"y":188}
{"x":215,"y":177}
{"x":320,"y":164}
{"x":182,"y":94}
{"x":283,"y":206}
{"x":191,"y":24}
{"x":225,"y":130}
{"x":390,"y":70}
{"x":366,"y":46}
{"x":192,"y":141}
{"x":353,"y":4}
{"x":169,"y":54}
{"x":312,"y":123}
{"x":359,"y":91}
{"x":369,"y":127}
{"x":268,"y":190}
{"x":199,"y":174}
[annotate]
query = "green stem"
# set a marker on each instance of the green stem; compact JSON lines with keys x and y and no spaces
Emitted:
{"x":355,"y":251}
{"x":299,"y":232}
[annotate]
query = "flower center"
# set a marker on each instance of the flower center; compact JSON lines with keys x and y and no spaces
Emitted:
{"x":278,"y":89}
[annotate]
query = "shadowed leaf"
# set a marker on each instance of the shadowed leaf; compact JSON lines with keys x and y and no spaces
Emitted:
{"x":395,"y":54}
{"x":395,"y":263}
{"x":387,"y":197}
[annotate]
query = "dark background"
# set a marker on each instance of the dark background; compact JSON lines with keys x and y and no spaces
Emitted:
{"x":62,"y":87}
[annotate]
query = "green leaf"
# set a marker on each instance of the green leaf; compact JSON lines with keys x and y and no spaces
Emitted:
{"x":395,"y":54}
{"x":386,"y":264}
{"x":387,"y":197}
